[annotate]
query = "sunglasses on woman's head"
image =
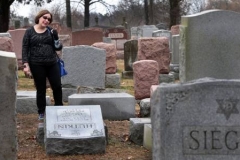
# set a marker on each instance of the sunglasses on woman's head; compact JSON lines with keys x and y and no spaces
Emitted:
{"x":46,"y":18}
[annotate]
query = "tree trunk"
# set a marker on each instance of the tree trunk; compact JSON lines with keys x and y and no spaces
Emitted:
{"x":4,"y":16}
{"x":68,"y":10}
{"x":146,"y":12}
{"x":151,"y":12}
{"x":174,"y":12}
{"x":86,"y":13}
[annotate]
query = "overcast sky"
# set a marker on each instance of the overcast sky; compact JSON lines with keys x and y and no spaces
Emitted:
{"x":25,"y":10}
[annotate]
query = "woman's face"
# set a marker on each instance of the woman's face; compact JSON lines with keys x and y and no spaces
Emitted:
{"x":45,"y":20}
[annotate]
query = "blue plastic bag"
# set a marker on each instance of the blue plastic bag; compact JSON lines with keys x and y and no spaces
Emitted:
{"x":63,"y":72}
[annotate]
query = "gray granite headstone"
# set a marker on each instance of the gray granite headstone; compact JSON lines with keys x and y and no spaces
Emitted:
{"x":175,"y":50}
{"x":198,"y":120}
{"x":67,"y":92}
{"x":107,"y":40}
{"x":115,"y":106}
{"x":134,"y":34}
{"x":145,"y":107}
{"x":8,"y":126}
{"x":77,"y":129}
{"x":146,"y":30}
{"x":209,"y":45}
{"x":112,"y":80}
{"x":26,"y":102}
{"x":5,"y":35}
{"x":136,"y":129}
{"x":85,"y":66}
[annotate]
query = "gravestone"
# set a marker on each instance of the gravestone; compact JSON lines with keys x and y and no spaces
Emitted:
{"x":209,"y":45}
{"x":174,"y":65}
{"x":145,"y":74}
{"x":146,"y":30}
{"x":147,"y":136}
{"x":134,"y":34}
{"x":164,"y":33}
{"x":161,"y":26}
{"x":197,"y":120}
{"x":175,"y":29}
{"x":74,"y":130}
{"x":175,"y":50}
{"x":107,"y":40}
{"x":120,"y":44}
{"x":114,"y":106}
{"x":17,"y":24}
{"x":5,"y":35}
{"x":136,"y":129}
{"x":85,"y":66}
{"x":86,"y":37}
{"x":26,"y":102}
{"x":110,"y":50}
{"x":8,"y":126}
{"x":17,"y":37}
{"x":157,"y":49}
{"x":6,"y":44}
{"x":130,"y":56}
{"x":116,"y":33}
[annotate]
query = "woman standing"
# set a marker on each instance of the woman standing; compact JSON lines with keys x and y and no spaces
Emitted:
{"x":39,"y":47}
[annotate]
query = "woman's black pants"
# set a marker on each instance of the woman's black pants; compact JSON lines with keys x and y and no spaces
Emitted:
{"x":40,"y":73}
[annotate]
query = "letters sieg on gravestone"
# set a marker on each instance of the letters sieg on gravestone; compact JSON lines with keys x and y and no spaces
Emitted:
{"x":197,"y":120}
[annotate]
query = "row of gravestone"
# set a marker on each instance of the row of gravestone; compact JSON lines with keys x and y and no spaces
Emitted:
{"x":199,"y":117}
{"x":117,"y":36}
{"x":192,"y":120}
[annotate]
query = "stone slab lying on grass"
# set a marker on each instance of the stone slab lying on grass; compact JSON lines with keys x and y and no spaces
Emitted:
{"x":114,"y":106}
{"x":77,"y":129}
{"x":26,"y":102}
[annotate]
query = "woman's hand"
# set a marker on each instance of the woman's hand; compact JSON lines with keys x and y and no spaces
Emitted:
{"x":26,"y":70}
{"x":55,"y":34}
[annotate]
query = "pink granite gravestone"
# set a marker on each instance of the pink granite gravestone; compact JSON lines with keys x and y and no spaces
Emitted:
{"x":86,"y":37}
{"x":111,"y":65}
{"x":175,"y":29}
{"x":155,"y":48}
{"x":6,"y":44}
{"x":145,"y":74}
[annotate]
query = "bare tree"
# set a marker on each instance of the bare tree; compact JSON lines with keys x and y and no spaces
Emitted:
{"x":151,"y":10}
{"x":196,"y":6}
{"x":174,"y":12}
{"x":233,"y":5}
{"x":146,"y":12}
{"x":5,"y":11}
{"x":87,"y":4}
{"x":68,"y":13}
{"x":133,"y":10}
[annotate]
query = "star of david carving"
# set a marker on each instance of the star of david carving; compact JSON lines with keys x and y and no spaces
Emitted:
{"x":227,"y":107}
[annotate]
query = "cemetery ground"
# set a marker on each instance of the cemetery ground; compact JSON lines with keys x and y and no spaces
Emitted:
{"x":119,"y":147}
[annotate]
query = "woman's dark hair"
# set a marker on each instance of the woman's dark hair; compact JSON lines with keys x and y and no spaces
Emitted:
{"x":40,"y":14}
